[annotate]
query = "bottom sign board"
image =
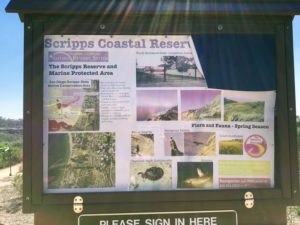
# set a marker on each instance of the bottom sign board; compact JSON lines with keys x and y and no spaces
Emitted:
{"x":221,"y":217}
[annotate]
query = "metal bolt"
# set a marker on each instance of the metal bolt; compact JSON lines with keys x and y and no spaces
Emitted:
{"x":291,"y":109}
{"x":28,"y":27}
{"x":102,"y":27}
{"x":220,"y":27}
{"x":295,"y":191}
{"x":28,"y":112}
{"x":27,"y":198}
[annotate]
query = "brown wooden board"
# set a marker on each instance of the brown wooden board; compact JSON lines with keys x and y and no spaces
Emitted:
{"x":57,"y":208}
{"x":271,"y":7}
{"x":264,"y":214}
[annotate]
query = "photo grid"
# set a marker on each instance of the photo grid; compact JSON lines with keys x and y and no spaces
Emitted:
{"x":151,"y":123}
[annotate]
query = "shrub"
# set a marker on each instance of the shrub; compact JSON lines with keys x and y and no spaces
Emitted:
{"x":17,"y":183}
{"x":14,"y":142}
{"x":14,"y":157}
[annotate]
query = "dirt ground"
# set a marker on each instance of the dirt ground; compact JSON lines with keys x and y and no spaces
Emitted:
{"x":11,"y":201}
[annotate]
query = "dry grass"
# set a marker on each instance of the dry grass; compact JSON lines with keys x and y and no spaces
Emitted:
{"x":11,"y":207}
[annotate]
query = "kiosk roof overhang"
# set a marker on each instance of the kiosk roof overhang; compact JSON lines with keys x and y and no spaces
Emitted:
{"x":210,"y":7}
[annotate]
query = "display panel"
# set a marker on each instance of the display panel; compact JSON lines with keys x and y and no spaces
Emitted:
{"x":143,"y":113}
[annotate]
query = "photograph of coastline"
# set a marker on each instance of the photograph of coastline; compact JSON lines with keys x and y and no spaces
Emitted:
{"x":195,"y":175}
{"x":81,"y":160}
{"x":74,"y":109}
{"x":174,"y":144}
{"x":142,"y":144}
{"x":243,"y":106}
{"x":200,"y":105}
{"x":150,"y":175}
{"x":168,"y":71}
{"x":154,"y":105}
{"x":200,"y":143}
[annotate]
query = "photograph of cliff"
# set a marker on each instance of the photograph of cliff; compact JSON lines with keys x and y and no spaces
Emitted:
{"x":174,"y":144}
{"x":155,"y":105}
{"x":200,"y":143}
{"x":142,"y":144}
{"x":200,"y":105}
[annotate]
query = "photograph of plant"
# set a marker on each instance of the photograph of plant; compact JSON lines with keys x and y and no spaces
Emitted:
{"x":232,"y":146}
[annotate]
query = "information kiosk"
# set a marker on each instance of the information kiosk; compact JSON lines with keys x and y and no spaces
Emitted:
{"x":159,"y":112}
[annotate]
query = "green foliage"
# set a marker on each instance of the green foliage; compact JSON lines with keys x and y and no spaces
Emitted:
{"x":298,"y":121}
{"x":10,"y":123}
{"x":298,"y":139}
{"x":87,"y":181}
{"x":246,"y":111}
{"x":231,"y":147}
{"x":17,"y":183}
{"x":298,"y":132}
{"x":11,"y":157}
{"x":297,"y":209}
{"x":15,"y":144}
{"x":10,"y":138}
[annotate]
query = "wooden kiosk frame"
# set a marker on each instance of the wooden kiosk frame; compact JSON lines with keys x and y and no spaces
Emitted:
{"x":159,"y":18}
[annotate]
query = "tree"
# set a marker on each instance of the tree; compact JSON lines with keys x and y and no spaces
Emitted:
{"x":10,"y":123}
{"x":168,"y":61}
{"x":181,"y":63}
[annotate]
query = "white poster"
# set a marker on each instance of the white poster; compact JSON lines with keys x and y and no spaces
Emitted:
{"x":134,"y":113}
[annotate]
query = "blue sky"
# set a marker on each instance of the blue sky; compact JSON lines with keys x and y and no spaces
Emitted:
{"x":11,"y":63}
{"x":296,"y":31}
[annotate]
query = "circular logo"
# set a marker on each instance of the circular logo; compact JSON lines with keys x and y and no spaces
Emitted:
{"x":255,"y":146}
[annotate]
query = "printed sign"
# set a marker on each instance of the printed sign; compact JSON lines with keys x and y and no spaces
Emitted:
{"x":135,"y":113}
{"x":162,"y":218}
